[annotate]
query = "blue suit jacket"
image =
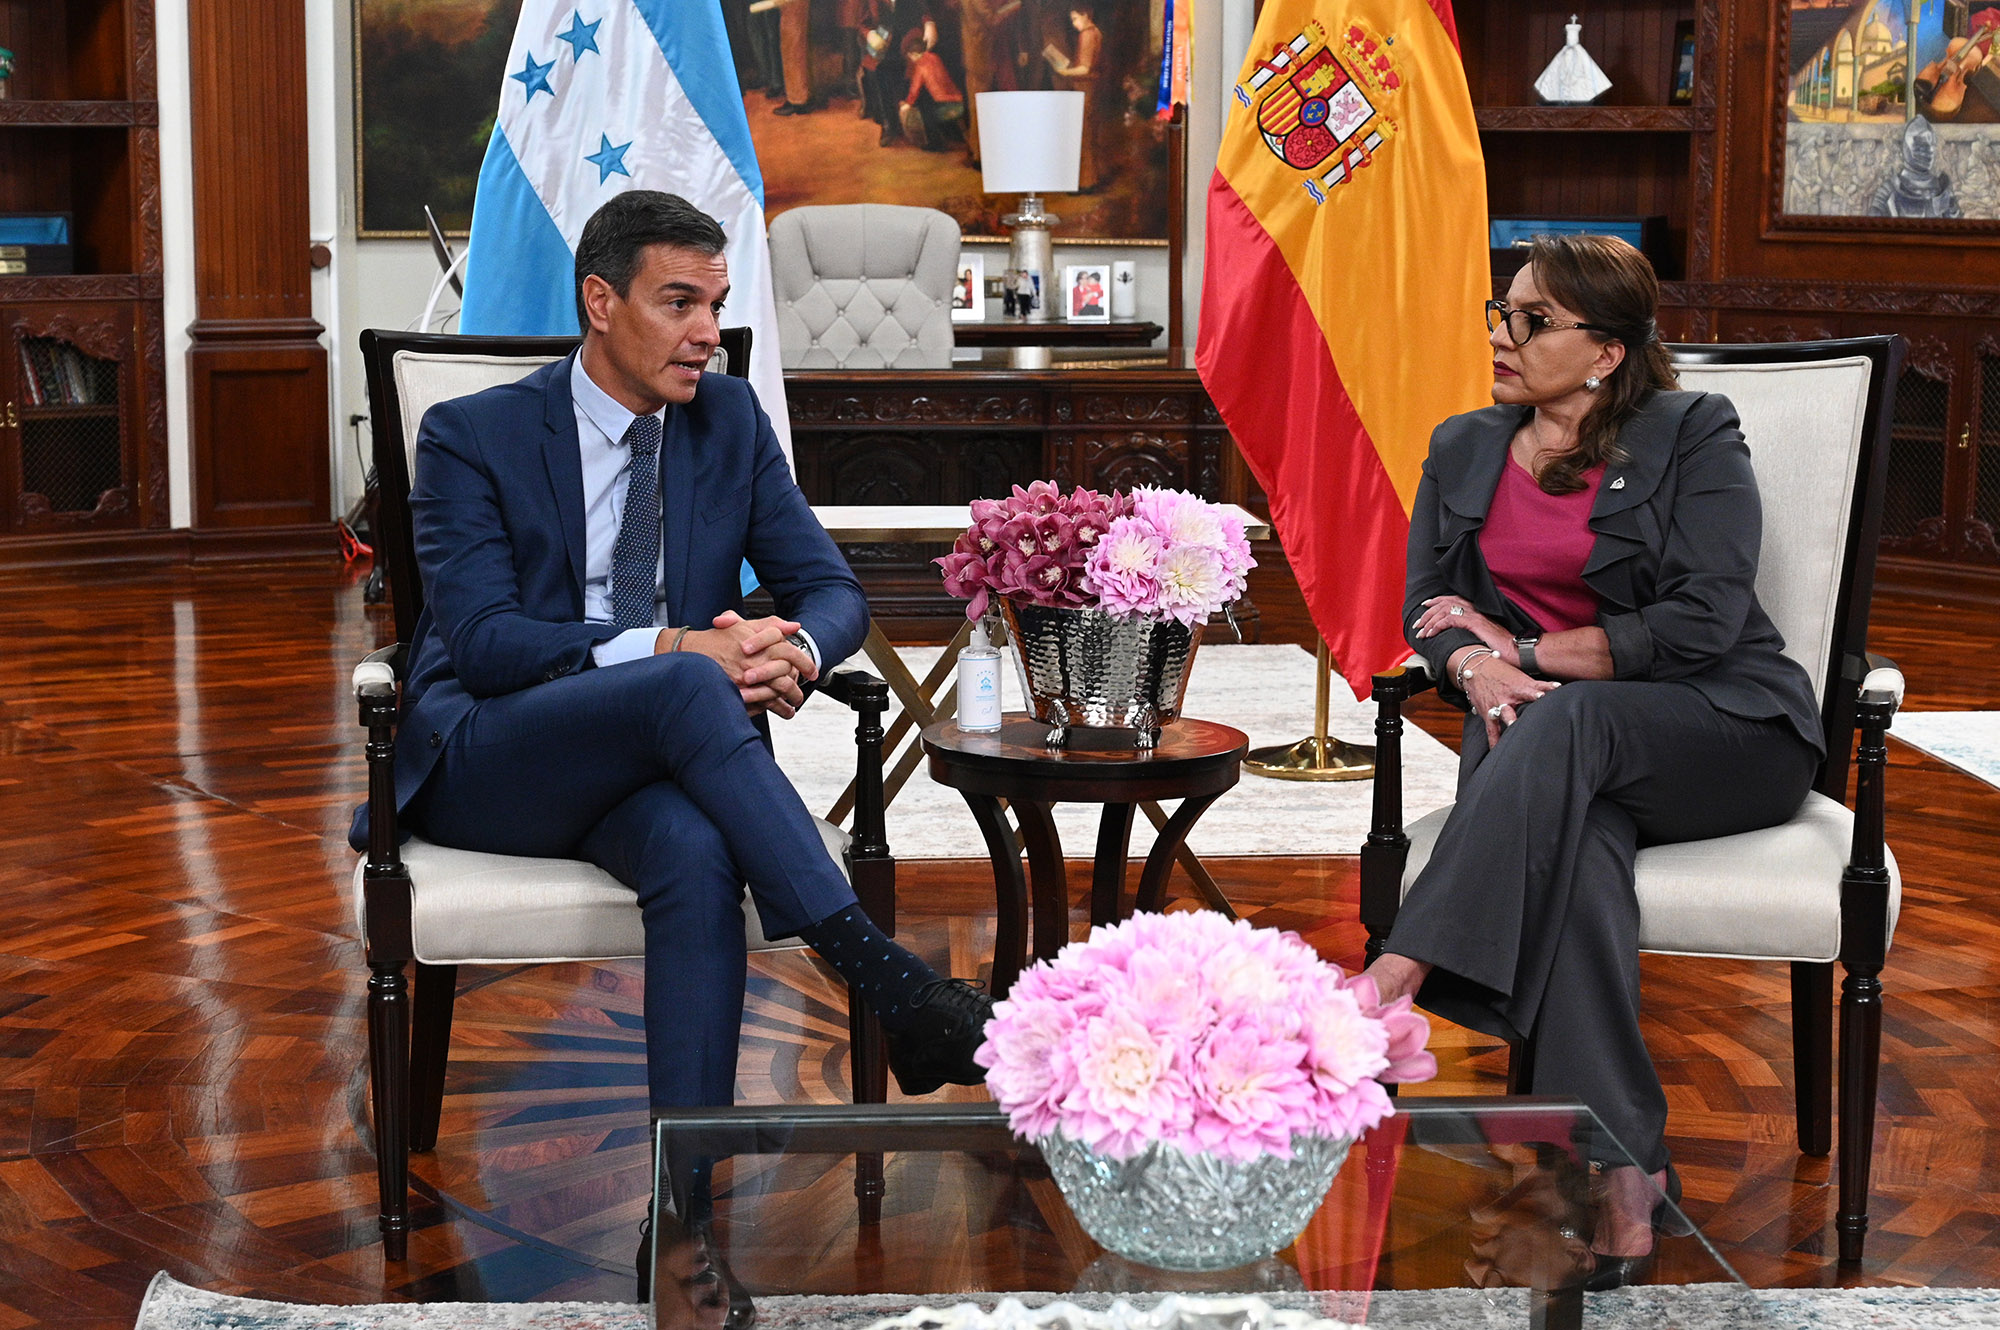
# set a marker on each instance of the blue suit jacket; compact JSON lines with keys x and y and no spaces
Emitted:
{"x":497,"y":502}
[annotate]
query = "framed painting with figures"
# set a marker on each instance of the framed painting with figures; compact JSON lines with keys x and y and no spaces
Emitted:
{"x":1887,"y":114}
{"x":854,"y":101}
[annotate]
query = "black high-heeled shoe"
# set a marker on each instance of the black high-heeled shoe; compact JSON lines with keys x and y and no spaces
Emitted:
{"x":1667,"y":1216}
{"x":1668,"y":1221}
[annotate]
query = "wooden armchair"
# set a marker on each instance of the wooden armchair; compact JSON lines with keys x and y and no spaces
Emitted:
{"x":1822,"y":887}
{"x":443,"y":908}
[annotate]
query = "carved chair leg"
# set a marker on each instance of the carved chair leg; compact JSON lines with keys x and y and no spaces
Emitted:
{"x":875,"y":887}
{"x":435,"y":990}
{"x":388,"y":1058}
{"x":1860,"y":1068}
{"x":1812,"y":1054}
{"x":871,"y":1086}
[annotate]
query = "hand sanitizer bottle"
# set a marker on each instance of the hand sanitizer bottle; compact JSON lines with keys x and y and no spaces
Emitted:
{"x":979,"y":684}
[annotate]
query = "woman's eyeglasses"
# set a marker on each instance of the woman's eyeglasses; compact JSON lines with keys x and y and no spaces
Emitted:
{"x":1523,"y":324}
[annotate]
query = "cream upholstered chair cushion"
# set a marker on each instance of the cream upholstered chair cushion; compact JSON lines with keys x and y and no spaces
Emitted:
{"x":864,"y":286}
{"x":1764,"y":895}
{"x":1773,"y":894}
{"x":1803,"y":424}
{"x":467,"y":907}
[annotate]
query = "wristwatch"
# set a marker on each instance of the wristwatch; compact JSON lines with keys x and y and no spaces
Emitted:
{"x":800,"y":641}
{"x":1525,"y":646}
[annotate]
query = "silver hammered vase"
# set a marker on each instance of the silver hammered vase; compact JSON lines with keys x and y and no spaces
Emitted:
{"x":1084,"y":667}
{"x":1179,"y":1211}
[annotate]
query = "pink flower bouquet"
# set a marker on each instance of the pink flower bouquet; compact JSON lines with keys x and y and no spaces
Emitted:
{"x":1208,"y":1036}
{"x":1161,"y":554}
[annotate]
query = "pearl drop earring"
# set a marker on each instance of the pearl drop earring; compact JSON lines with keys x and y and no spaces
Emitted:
{"x":1592,"y":382}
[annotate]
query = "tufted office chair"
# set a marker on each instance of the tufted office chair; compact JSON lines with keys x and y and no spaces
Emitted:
{"x":1822,"y":887}
{"x":864,"y":286}
{"x":443,"y":908}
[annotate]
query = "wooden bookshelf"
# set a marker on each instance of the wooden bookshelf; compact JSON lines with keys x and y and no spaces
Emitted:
{"x":1632,"y":153}
{"x":82,"y":354}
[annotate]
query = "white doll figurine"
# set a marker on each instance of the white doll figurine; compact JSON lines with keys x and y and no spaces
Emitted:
{"x":1572,"y":78}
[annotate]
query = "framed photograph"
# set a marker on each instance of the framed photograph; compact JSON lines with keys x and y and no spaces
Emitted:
{"x":427,"y":76}
{"x":968,"y":294}
{"x":1886,"y":119}
{"x":1681,"y":85}
{"x":1087,"y":293}
{"x":865,"y":101}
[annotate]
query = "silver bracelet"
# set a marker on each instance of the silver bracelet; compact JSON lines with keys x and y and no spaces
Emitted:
{"x":1465,"y":665}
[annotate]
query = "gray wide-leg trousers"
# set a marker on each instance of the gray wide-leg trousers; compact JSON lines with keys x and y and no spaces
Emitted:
{"x":1527,"y":908}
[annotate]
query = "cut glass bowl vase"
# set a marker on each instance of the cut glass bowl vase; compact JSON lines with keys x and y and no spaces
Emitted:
{"x":1178,"y":1211}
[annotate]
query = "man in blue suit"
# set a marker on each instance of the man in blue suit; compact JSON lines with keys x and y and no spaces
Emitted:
{"x":583,"y":685}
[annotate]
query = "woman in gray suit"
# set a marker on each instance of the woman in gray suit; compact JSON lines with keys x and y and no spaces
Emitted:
{"x":1582,"y":563}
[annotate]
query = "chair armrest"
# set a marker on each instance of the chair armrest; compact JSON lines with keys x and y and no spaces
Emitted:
{"x":857,"y":690}
{"x":376,"y":675}
{"x":1884,"y":682}
{"x":1404,"y":682}
{"x":1884,"y":685}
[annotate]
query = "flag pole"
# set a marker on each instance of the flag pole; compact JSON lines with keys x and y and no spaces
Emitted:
{"x":1318,"y":756}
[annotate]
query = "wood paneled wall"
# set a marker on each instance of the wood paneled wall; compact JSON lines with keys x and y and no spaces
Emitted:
{"x":258,"y":375}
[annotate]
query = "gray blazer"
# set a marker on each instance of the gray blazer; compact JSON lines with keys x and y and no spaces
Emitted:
{"x":1674,"y":564}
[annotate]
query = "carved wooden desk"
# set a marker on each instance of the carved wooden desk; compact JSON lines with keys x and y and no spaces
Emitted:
{"x":1107,"y":418}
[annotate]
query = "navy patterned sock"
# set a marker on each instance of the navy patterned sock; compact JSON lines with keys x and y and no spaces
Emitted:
{"x":885,"y":975}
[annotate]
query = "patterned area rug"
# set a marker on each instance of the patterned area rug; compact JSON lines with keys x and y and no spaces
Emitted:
{"x":1968,"y":740}
{"x":1265,"y":691}
{"x":171,"y":1305}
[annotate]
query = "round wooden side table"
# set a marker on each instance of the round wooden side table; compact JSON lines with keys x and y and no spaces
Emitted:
{"x":1194,"y":762}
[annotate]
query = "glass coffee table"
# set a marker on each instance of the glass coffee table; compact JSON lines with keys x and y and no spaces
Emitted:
{"x":1455,"y":1212}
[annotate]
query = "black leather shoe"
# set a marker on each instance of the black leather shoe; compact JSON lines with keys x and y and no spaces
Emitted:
{"x":937,"y":1045}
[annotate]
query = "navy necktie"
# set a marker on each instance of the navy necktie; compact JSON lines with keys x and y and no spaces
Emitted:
{"x":635,"y":559}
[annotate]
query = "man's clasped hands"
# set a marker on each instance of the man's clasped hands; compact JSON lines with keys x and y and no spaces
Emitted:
{"x":768,"y":669}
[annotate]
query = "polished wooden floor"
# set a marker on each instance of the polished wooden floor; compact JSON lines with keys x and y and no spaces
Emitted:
{"x":181,"y":997}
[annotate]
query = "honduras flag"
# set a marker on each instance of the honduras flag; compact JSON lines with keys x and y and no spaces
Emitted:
{"x":603,"y":96}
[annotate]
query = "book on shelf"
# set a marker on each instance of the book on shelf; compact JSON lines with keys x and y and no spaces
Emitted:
{"x":29,"y":379}
{"x":58,"y":374}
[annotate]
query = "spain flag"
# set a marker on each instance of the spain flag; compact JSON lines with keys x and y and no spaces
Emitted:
{"x":1346,"y":266}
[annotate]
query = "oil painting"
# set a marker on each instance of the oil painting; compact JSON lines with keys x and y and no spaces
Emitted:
{"x":427,"y":82}
{"x":854,"y":101}
{"x":848,"y":101}
{"x":1892,"y":110}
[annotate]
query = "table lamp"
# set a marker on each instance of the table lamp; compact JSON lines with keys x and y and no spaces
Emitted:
{"x":1030,"y":143}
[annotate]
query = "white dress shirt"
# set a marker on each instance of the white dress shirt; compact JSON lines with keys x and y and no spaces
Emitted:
{"x":601,"y":423}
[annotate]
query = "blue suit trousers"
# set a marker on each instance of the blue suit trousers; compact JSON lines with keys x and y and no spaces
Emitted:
{"x":652,"y":771}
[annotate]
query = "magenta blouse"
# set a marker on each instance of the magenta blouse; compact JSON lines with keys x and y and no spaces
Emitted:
{"x":1536,"y":545}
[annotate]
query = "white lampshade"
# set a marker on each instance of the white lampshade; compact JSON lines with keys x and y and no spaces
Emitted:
{"x":1030,"y":142}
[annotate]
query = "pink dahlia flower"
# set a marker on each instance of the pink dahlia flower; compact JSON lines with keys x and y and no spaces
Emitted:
{"x":1192,"y":584}
{"x":1123,"y":569}
{"x":1204,"y":1034}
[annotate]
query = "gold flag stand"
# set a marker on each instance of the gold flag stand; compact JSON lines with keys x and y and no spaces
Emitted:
{"x":1318,"y":756}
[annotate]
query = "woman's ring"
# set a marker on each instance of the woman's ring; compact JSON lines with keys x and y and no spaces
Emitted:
{"x":1493,"y":713}
{"x":1456,"y":609}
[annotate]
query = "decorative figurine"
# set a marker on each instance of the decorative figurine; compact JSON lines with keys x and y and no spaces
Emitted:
{"x":1572,"y":78}
{"x":6,"y":70}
